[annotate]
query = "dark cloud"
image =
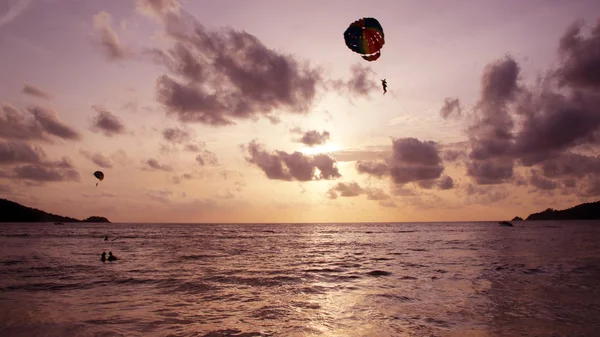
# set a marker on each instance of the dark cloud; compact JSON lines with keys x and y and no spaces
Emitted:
{"x":34,"y":166}
{"x":540,"y":182}
{"x":450,"y":105}
{"x":312,"y":137}
{"x":280,"y":165}
{"x":446,"y":183}
{"x":230,"y":75}
{"x":12,"y":152}
{"x":542,"y":125}
{"x":490,"y":172}
{"x":571,"y":165}
{"x":351,"y":189}
{"x":378,"y":169}
{"x":48,"y":120}
{"x":207,"y":158}
{"x":155,"y":165}
{"x":37,"y":123}
{"x":176,"y":135}
{"x":109,"y":40}
{"x":414,"y":160}
{"x":107,"y":123}
{"x":42,"y":173}
{"x":47,"y":171}
{"x":580,"y":58}
{"x":361,"y":82}
{"x":97,"y":158}
{"x":35,"y":91}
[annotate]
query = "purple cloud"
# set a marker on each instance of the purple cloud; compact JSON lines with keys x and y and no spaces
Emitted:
{"x":107,"y":123}
{"x":280,"y":165}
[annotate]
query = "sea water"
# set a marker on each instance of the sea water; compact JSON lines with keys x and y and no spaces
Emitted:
{"x":538,"y":278}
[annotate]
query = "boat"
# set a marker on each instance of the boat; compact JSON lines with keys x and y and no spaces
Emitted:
{"x":505,"y":223}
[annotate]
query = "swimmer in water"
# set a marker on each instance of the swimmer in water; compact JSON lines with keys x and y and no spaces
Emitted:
{"x":111,"y":257}
{"x":103,"y":258}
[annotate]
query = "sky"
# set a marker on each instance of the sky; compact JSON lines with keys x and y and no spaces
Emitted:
{"x":256,"y":111}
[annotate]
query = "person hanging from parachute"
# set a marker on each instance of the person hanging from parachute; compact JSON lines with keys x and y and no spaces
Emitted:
{"x":365,"y":37}
{"x":99,"y":175}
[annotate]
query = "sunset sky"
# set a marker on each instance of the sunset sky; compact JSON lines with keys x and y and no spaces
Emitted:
{"x":256,"y":111}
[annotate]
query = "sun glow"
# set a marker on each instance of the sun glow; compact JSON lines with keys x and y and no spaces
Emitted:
{"x":321,"y":149}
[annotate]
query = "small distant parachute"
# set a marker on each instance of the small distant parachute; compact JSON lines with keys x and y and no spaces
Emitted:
{"x":365,"y":36}
{"x":99,"y":175}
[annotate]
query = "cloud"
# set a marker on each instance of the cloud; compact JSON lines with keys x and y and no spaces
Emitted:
{"x":97,"y":158}
{"x":109,"y":40}
{"x":44,"y":173}
{"x":194,"y":147}
{"x":207,"y":158}
{"x":378,"y":169}
{"x":155,"y":165}
{"x":33,"y":164}
{"x":48,"y":119}
{"x":360,"y":83}
{"x":37,"y":123}
{"x":107,"y":123}
{"x":230,"y":76}
{"x":280,"y":165}
{"x":12,"y":152}
{"x":446,"y":183}
{"x":376,"y":194}
{"x":157,"y":8}
{"x":580,"y":58}
{"x":412,"y":160}
{"x":160,"y":195}
{"x":311,"y":138}
{"x":541,"y":125}
{"x":35,"y":91}
{"x":176,"y":135}
{"x":14,"y":9}
{"x":353,"y":189}
{"x":450,"y":105}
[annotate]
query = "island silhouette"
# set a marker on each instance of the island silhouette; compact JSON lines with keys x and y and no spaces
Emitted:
{"x":11,"y":211}
{"x":585,"y":211}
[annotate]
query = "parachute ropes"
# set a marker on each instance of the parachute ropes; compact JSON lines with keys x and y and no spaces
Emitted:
{"x":99,"y":175}
{"x":365,"y":36}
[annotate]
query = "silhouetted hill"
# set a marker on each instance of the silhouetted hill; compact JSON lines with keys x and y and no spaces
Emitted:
{"x":587,"y":211}
{"x":96,"y":219}
{"x":517,"y":218}
{"x":11,"y":211}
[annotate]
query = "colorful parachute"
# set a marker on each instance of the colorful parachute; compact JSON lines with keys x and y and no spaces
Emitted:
{"x":365,"y":36}
{"x":99,"y":175}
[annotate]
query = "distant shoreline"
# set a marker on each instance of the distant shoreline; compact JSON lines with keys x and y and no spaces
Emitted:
{"x":11,"y":211}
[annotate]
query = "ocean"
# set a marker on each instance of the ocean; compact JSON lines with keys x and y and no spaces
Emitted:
{"x":538,"y":278}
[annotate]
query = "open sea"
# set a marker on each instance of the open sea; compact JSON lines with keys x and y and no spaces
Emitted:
{"x":539,"y":278}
